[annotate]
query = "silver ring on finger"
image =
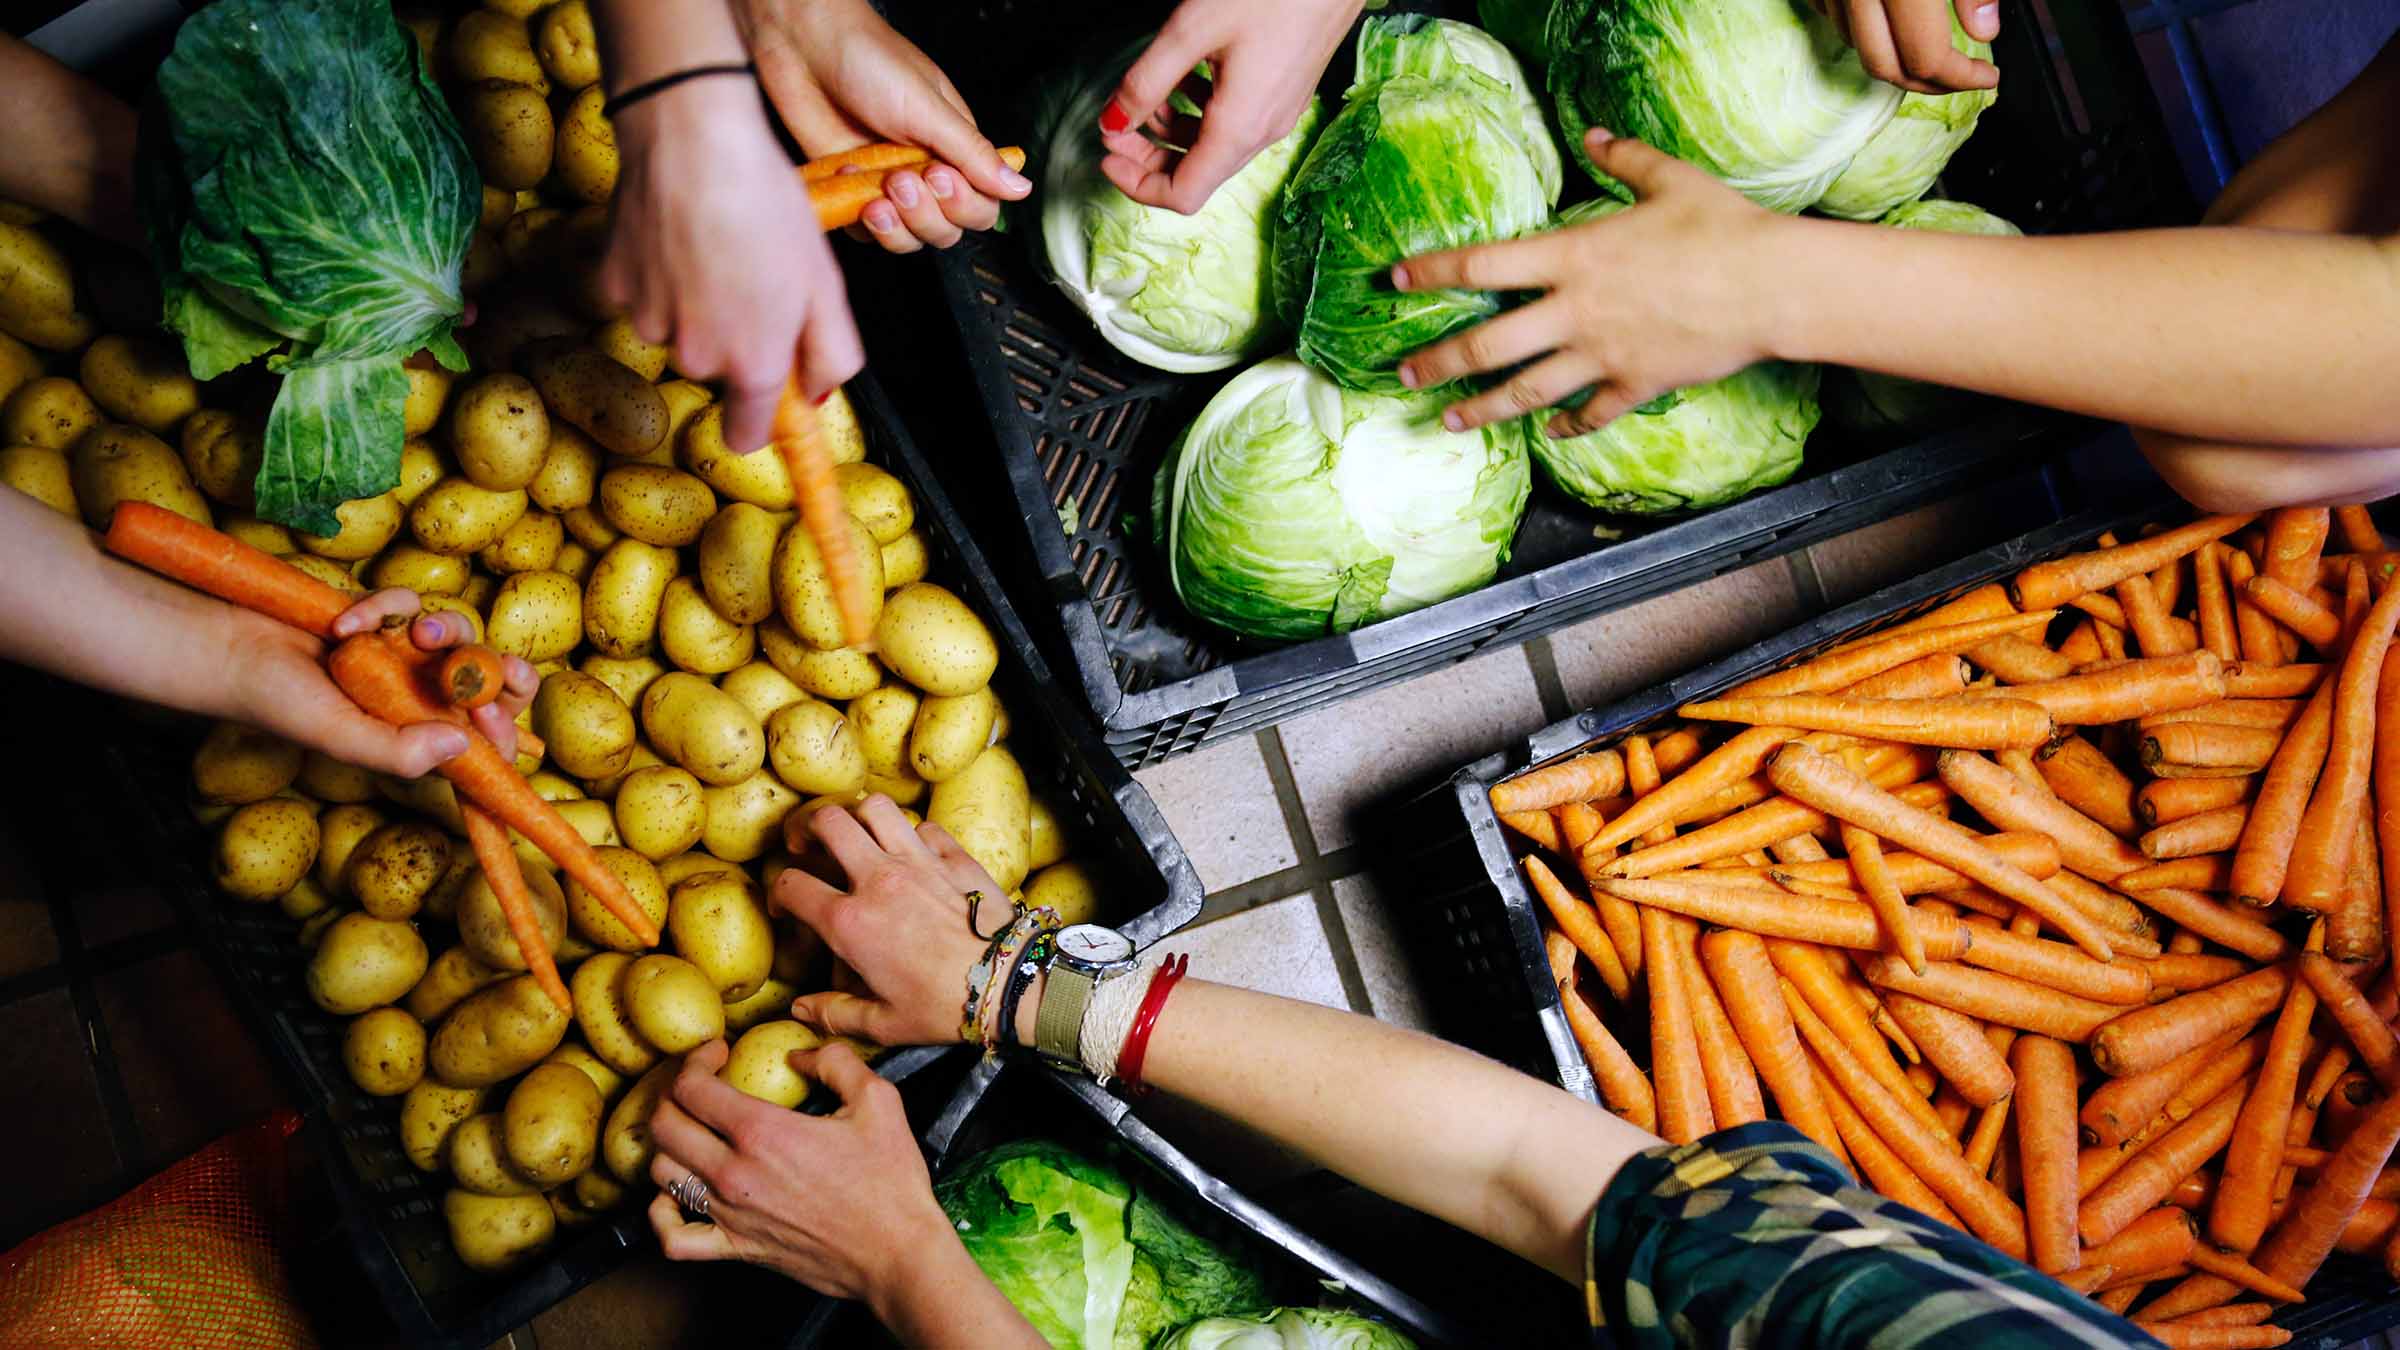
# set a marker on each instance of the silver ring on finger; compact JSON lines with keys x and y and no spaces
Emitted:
{"x":691,"y":1195}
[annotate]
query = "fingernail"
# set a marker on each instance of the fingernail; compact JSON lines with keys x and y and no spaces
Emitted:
{"x":1408,"y":375}
{"x":1454,"y":419}
{"x":1598,"y":136}
{"x":1114,"y":119}
{"x":1986,"y":21}
{"x":901,"y":188}
{"x":450,"y":743}
{"x":825,"y":398}
{"x":939,"y":181}
{"x":1400,"y":277}
{"x":1015,"y":182}
{"x":881,"y":218}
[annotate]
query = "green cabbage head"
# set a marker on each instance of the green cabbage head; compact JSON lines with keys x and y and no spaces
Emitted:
{"x":1288,"y":1329}
{"x":1292,"y":507}
{"x":1889,"y":405}
{"x":1902,"y":161}
{"x":1412,"y":163}
{"x":1181,"y":293}
{"x":1764,"y":94}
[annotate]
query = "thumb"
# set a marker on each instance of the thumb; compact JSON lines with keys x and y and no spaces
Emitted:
{"x":1981,"y":18}
{"x":837,"y":1066}
{"x":1638,"y":165}
{"x":951,"y":135}
{"x":839,"y":1014}
{"x":1153,"y":76}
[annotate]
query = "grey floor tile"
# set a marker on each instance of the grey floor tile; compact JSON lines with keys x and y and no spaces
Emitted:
{"x":1221,"y":805}
{"x":1397,"y":738}
{"x":1276,"y":948}
{"x":1383,"y":964}
{"x":1621,"y":653}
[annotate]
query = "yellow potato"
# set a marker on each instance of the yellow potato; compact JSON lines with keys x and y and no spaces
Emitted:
{"x":628,"y":676}
{"x":429,"y":795}
{"x":905,"y":789}
{"x":51,"y":412}
{"x":621,"y":600}
{"x":574,"y":1054}
{"x":537,"y":615}
{"x":384,"y":1049}
{"x":757,"y":476}
{"x":697,"y":638}
{"x":1067,"y":887}
{"x":589,"y":729}
{"x":392,"y":870}
{"x":266,"y":848}
{"x":419,"y":569}
{"x":932,"y":640}
{"x":660,"y":811}
{"x":508,"y":128}
{"x":507,"y":327}
{"x":672,"y":1003}
{"x":584,"y":163}
{"x":718,"y":922}
{"x":949,"y":733}
{"x":737,"y":562}
{"x":573,"y":561}
{"x":761,"y":1062}
{"x":429,"y":1114}
{"x":905,"y":561}
{"x":877,"y":500}
{"x":222,"y":454}
{"x":882,"y":718}
{"x":581,"y":245}
{"x":495,"y":1034}
{"x":570,"y":472}
{"x":813,"y":748}
{"x":568,"y":48}
{"x":762,"y":689}
{"x":330,"y":780}
{"x":771,"y":1001}
{"x":488,"y":45}
{"x":804,"y":594}
{"x":617,"y":340}
{"x":498,"y":205}
{"x":479,"y":1160}
{"x":593,"y":920}
{"x":39,"y":473}
{"x":364,"y":962}
{"x":1046,"y":837}
{"x":625,"y":1145}
{"x":597,"y":1191}
{"x":499,"y":431}
{"x":837,"y":676}
{"x":613,"y":405}
{"x":140,"y":380}
{"x":685,"y":399}
{"x":598,"y":993}
{"x":684,"y":866}
{"x":305,"y":900}
{"x":837,"y":421}
{"x":367,"y":524}
{"x":531,"y":545}
{"x":37,"y":292}
{"x":984,"y":809}
{"x":483,"y":930}
{"x":699,"y":726}
{"x":19,"y":365}
{"x":312,"y":932}
{"x":265,"y":536}
{"x":455,"y":516}
{"x":554,"y":787}
{"x":340,"y":830}
{"x":429,"y":384}
{"x":586,"y":527}
{"x":667,"y":507}
{"x":446,"y":983}
{"x":238,"y":764}
{"x":746,"y":818}
{"x":551,"y":1124}
{"x":421,"y":466}
{"x":486,"y":261}
{"x":494,"y":1233}
{"x":113,"y":462}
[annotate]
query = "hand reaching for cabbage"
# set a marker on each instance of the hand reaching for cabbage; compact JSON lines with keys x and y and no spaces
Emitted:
{"x":1668,"y":293}
{"x":1908,"y":42}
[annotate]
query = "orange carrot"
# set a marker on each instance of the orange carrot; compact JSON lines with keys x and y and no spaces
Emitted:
{"x":2254,"y":1157}
{"x":1850,"y":665}
{"x":2009,"y":802}
{"x":1682,"y":1091}
{"x":2212,"y":605}
{"x":1587,"y":777}
{"x":2261,"y":637}
{"x":1816,"y":976}
{"x":1581,"y":926}
{"x":2019,"y":660}
{"x":2148,"y":1037}
{"x":1539,"y":826}
{"x":2298,"y":1246}
{"x":2162,"y":800}
{"x":2127,"y":690}
{"x":1622,"y":1086}
{"x":2321,"y":627}
{"x":863,"y":159}
{"x":2192,"y":970}
{"x":2370,"y":1034}
{"x":2081,"y":645}
{"x":1824,"y":784}
{"x":1872,"y":1160}
{"x":2273,"y":713}
{"x":2222,"y":924}
{"x":2161,"y":1238}
{"x":2144,"y":1180}
{"x":1994,"y":997}
{"x":1833,"y":923}
{"x":2055,"y":965}
{"x":2295,"y":540}
{"x":1800,"y":848}
{"x":2210,"y":833}
{"x":2231,"y":1315}
{"x":1766,"y":823}
{"x":2358,"y":530}
{"x":2197,"y":872}
{"x":1954,"y":1044}
{"x":2209,"y":745}
{"x":2122,"y":918}
{"x":2045,"y":1112}
{"x":2120,"y":1107}
{"x":2211,"y":1261}
{"x":2146,"y":617}
{"x":501,"y":872}
{"x":2354,"y":927}
{"x":472,"y":676}
{"x":822,"y":513}
{"x":1967,"y":722}
{"x":2035,"y":854}
{"x":2052,"y":583}
{"x":1865,"y":853}
{"x":1733,"y":1095}
{"x":1641,"y":779}
{"x":1745,"y":981}
{"x":841,"y":198}
{"x":2386,"y":785}
{"x":2328,"y":831}
{"x":1722,"y":767}
{"x":1577,"y":823}
{"x":2103,"y":608}
{"x":2244,"y":680}
{"x":2184,"y":1336}
{"x":2263,"y":859}
{"x":2088,"y":780}
{"x":209,"y":560}
{"x":1623,"y":924}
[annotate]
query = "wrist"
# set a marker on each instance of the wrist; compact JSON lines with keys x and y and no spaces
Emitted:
{"x":909,"y":1279}
{"x":642,"y":40}
{"x":1029,"y":1010}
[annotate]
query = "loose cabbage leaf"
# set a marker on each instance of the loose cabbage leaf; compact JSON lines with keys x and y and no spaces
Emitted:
{"x":1901,"y":162}
{"x":305,"y":186}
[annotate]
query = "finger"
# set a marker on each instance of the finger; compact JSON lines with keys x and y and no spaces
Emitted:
{"x":1928,"y":56}
{"x":805,"y":896}
{"x":440,"y":629}
{"x":711,"y":1100}
{"x":920,"y":211}
{"x":1981,"y":19}
{"x":750,"y":414}
{"x":1512,"y":337}
{"x":1641,"y":166}
{"x":1607,"y":403}
{"x":839,"y":1014}
{"x":961,"y":204}
{"x":497,"y":726}
{"x":1133,"y":154}
{"x":1514,"y":265}
{"x":954,"y":140}
{"x":847,"y":840}
{"x":957,"y":864}
{"x":519,"y":682}
{"x":367,"y":615}
{"x":838,"y":1066}
{"x":830,"y":350}
{"x":882,"y":817}
{"x":682,"y":1240}
{"x":886,"y":227}
{"x":684,"y":1145}
{"x":1871,"y":33}
{"x":1541,"y":385}
{"x":1234,"y":130}
{"x":1153,"y":76}
{"x":351,"y":736}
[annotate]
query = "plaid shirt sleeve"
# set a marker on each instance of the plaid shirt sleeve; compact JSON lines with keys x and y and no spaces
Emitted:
{"x":1756,"y":1237}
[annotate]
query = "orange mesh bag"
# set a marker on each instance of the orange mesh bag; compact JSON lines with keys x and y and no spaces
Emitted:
{"x":189,"y":1260}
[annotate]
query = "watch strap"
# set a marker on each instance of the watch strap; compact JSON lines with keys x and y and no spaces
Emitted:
{"x":1058,"y":1024}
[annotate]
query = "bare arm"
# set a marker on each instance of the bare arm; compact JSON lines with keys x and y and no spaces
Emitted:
{"x":70,"y":144}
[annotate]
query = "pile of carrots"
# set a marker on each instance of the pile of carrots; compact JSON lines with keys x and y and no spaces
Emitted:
{"x":2059,"y":913}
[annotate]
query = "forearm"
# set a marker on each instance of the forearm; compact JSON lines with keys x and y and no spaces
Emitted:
{"x":2233,"y":334}
{"x":944,"y":1302}
{"x":70,"y":143}
{"x":641,"y":40}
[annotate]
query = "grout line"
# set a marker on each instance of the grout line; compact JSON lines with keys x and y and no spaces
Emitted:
{"x":1546,"y":682}
{"x":1279,"y":885}
{"x":1345,"y":955}
{"x":1287,"y":794}
{"x":1807,"y":581}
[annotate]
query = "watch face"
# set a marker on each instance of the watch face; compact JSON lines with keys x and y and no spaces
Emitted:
{"x":1093,"y":945}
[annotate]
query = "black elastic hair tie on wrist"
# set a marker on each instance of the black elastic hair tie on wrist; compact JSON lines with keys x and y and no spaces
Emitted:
{"x":665,"y":82}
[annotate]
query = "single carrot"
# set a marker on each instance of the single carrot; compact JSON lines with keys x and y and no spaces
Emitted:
{"x":2212,"y":606}
{"x":1577,"y":823}
{"x":2018,"y":660}
{"x":2211,"y":1261}
{"x":2328,"y":830}
{"x":2148,"y":1037}
{"x":2235,"y":1065}
{"x":210,"y":560}
{"x":2081,"y":646}
{"x":2118,"y":1108}
{"x":2209,"y":834}
{"x":1924,"y":1082}
{"x":1954,"y":1044}
{"x":1965,"y":722}
{"x":2295,"y":540}
{"x":2104,"y":609}
{"x":1984,"y":602}
{"x":501,"y":872}
{"x":822,"y":513}
{"x":2192,"y":970}
{"x":1833,"y":923}
{"x":2253,"y":1158}
{"x":2358,"y":530}
{"x":2035,"y":854}
{"x":472,"y":676}
{"x":1800,"y":848}
{"x":2088,"y":780}
{"x":865,"y":158}
{"x":2231,"y":1315}
{"x":2245,"y":680}
{"x":1722,"y":767}
{"x":1986,"y":1210}
{"x":2354,"y":928}
{"x":2209,"y":745}
{"x":2273,"y":713}
{"x":2193,"y":872}
{"x":2087,"y":1278}
{"x":2370,"y":1034}
{"x":2225,"y":925}
{"x":2184,"y":1336}
{"x":1641,"y":778}
{"x":2144,"y":1180}
{"x":2084,"y":844}
{"x":2263,"y":859}
{"x":1884,"y":896}
{"x":2162,"y":800}
{"x":2146,"y":617}
{"x":1618,"y":917}
{"x":1824,"y":784}
{"x":1581,"y":926}
{"x":2045,"y":1117}
{"x":1994,"y":997}
{"x":2261,"y":638}
{"x":2319,"y":626}
{"x":2127,"y":690}
{"x":2055,"y":965}
{"x":1936,"y":676}
{"x":1587,"y":777}
{"x":1850,"y":665}
{"x":1539,"y":826}
{"x":2161,"y":1238}
{"x":841,"y":198}
{"x":1733,"y":1095}
{"x":1676,"y":1079}
{"x":1744,"y":977}
{"x":2046,"y":584}
{"x":1622,"y":1086}
{"x":2120,"y":916}
{"x":2186,"y":943}
{"x":1817,"y":976}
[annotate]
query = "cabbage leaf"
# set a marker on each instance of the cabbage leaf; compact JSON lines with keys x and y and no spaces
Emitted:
{"x":1289,"y":1329}
{"x":1901,"y":162}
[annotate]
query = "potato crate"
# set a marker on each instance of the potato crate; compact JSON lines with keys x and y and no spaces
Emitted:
{"x":393,"y":1212}
{"x":1473,"y":928}
{"x":2075,"y":143}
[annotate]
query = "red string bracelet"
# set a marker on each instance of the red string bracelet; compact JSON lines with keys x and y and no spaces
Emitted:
{"x":1137,"y":1041}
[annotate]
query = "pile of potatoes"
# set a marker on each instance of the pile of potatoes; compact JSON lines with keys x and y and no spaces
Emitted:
{"x":576,"y":500}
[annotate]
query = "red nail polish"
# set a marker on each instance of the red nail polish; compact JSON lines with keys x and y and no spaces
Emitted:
{"x":1114,"y":119}
{"x":825,"y":398}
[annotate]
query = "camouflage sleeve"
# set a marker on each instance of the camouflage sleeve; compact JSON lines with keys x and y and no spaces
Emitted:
{"x":1756,"y":1236}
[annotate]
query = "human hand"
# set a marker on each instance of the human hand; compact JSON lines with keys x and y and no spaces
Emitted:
{"x":715,"y":249}
{"x":1907,"y":42}
{"x":1672,"y":291}
{"x":841,"y":78}
{"x":901,"y":926}
{"x":1266,"y":55}
{"x":841,"y":1203}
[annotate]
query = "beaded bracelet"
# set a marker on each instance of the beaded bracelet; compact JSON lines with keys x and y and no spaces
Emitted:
{"x":1137,"y":1041}
{"x":1034,"y":959}
{"x":979,"y":975}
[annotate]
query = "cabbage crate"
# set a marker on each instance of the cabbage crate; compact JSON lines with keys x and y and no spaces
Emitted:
{"x":2075,"y":143}
{"x":391,"y":1213}
{"x":1473,"y":928}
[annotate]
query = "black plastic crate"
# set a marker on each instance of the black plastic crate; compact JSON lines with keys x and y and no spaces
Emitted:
{"x":1016,"y":1098}
{"x":2075,"y":143}
{"x":392,"y":1211}
{"x":1466,"y":912}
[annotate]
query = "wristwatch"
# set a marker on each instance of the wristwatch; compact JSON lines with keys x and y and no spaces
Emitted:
{"x":1086,"y":955}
